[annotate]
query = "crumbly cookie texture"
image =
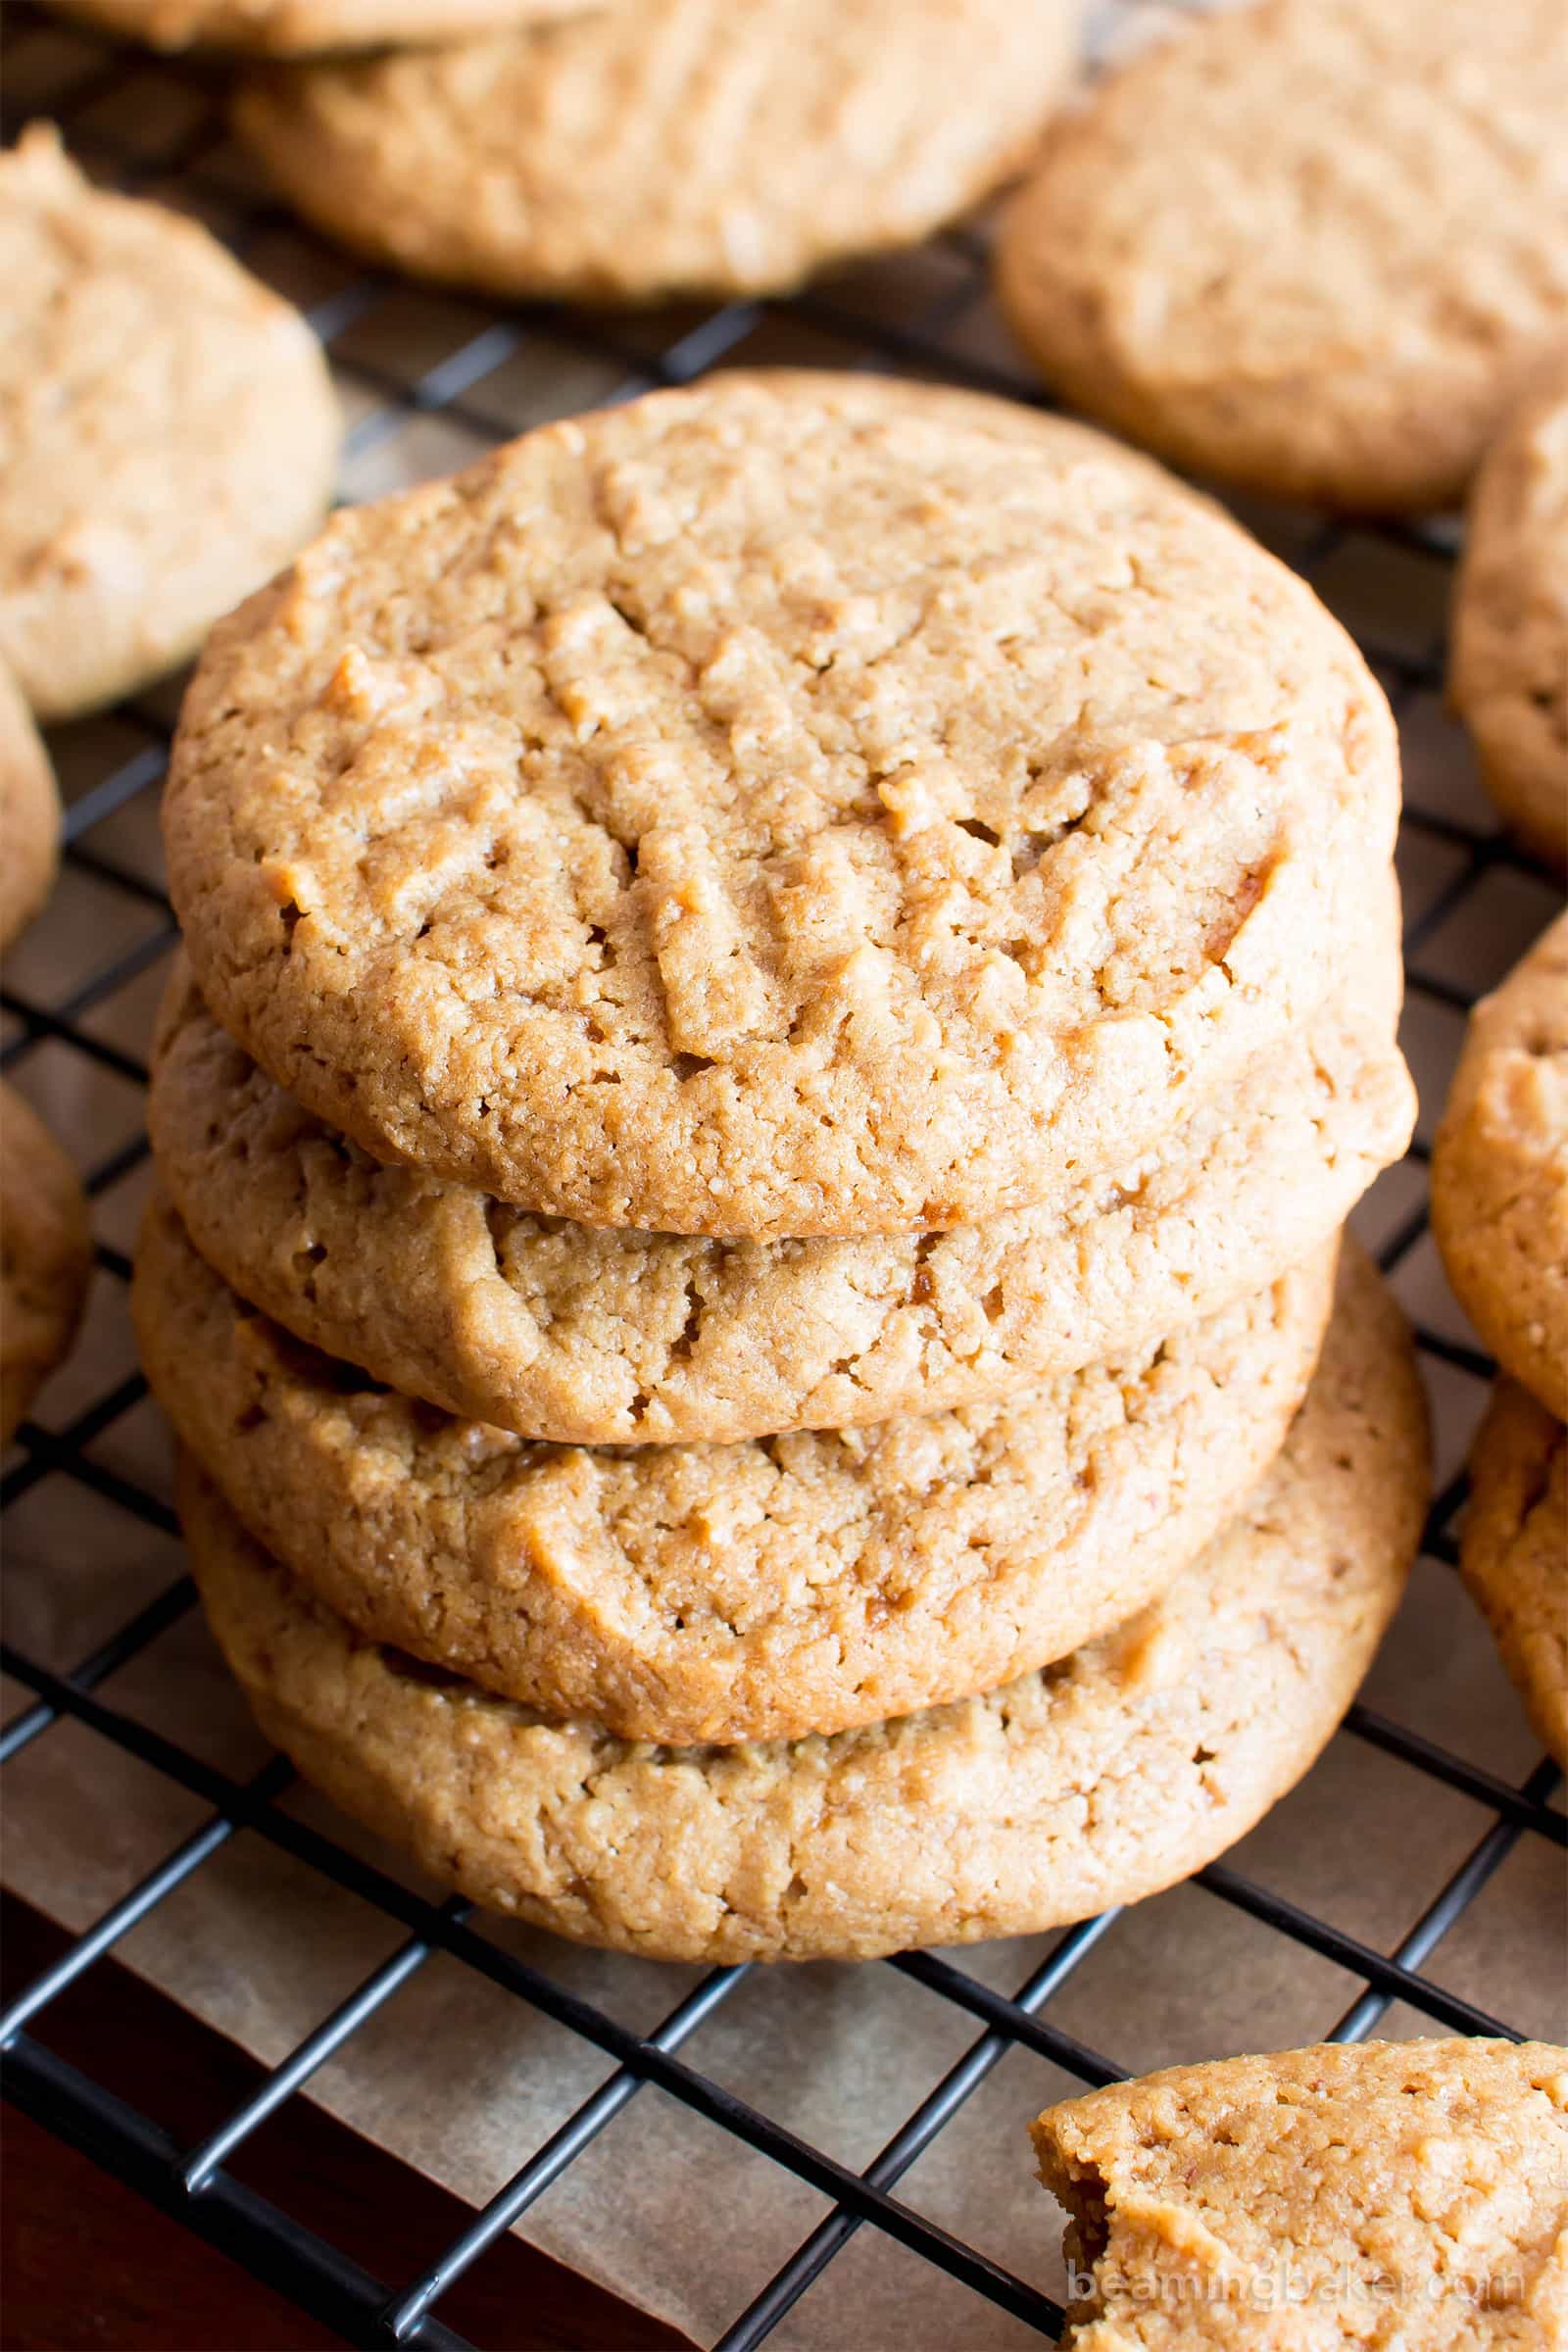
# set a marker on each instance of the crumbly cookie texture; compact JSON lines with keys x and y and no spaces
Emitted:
{"x":775,"y":809}
{"x":1106,"y":1776}
{"x":1513,"y":1554}
{"x":1499,"y":1171}
{"x":45,"y":1257}
{"x":1510,"y":672}
{"x":1314,"y":247}
{"x":30,"y":815}
{"x":588,"y":1336}
{"x":301,"y":28}
{"x":1409,"y":2193}
{"x":167,"y":433}
{"x":758,"y":1590}
{"x":669,"y":146}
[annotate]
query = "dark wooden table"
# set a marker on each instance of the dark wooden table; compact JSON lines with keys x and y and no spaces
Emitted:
{"x":89,"y":2262}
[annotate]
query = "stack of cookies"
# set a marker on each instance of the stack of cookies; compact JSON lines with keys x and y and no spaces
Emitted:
{"x":788,"y":986}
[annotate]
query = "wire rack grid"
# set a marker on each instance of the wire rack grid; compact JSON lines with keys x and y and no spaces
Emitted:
{"x":427,"y":382}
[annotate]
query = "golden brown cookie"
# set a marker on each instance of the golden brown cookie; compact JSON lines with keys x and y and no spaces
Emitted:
{"x":775,"y":809}
{"x":30,"y":815}
{"x":1314,"y":247}
{"x":167,"y":433}
{"x":594,"y":1336}
{"x":1401,"y":2193}
{"x":1509,"y":671}
{"x":1499,"y":1171}
{"x":301,"y":28}
{"x":45,"y":1257}
{"x":667,"y":146}
{"x":1104,"y":1778}
{"x":1514,"y":1551}
{"x":758,"y":1590}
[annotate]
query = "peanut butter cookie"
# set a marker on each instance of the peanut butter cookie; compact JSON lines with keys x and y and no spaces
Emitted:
{"x":1514,"y":1551}
{"x":599,"y":1337}
{"x":1510,"y":672}
{"x":30,"y":815}
{"x":1409,"y":2193}
{"x":1499,"y":1171}
{"x":45,"y":1257}
{"x":1314,"y":247}
{"x":667,"y":146}
{"x":167,"y":433}
{"x":770,"y":810}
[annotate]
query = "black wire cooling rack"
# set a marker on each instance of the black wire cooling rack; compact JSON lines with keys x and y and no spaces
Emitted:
{"x":151,"y":126}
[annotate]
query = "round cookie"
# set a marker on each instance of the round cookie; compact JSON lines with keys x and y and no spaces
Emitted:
{"x":1499,"y":1171}
{"x":758,"y":1590}
{"x":597,"y":1337}
{"x":1509,"y":676}
{"x":667,"y":146}
{"x":167,"y":433}
{"x":1513,"y":1552}
{"x":1314,"y":247}
{"x":775,"y":809}
{"x":30,"y":815}
{"x":1403,"y":2193}
{"x":45,"y":1257}
{"x":300,"y":27}
{"x":1118,"y":1771}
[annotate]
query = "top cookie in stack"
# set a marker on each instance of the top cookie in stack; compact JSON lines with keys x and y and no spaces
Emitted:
{"x":815,"y":965}
{"x":775,"y":810}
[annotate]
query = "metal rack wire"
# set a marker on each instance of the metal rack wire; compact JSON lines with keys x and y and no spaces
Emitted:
{"x":936,"y":328}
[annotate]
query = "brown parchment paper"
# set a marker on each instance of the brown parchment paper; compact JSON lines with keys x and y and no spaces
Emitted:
{"x":464,"y":2082}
